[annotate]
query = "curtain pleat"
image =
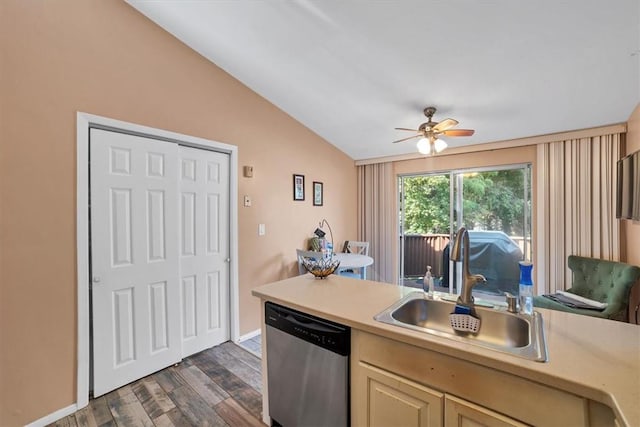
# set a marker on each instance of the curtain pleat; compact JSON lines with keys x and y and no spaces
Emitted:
{"x":577,"y":202}
{"x":376,"y":218}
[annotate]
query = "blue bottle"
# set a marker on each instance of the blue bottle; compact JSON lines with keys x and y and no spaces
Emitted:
{"x":525,"y":291}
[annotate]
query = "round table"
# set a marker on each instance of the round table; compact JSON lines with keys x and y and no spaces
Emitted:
{"x":349,"y":260}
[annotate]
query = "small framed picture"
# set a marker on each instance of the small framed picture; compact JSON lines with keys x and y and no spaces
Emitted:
{"x":317,"y":193}
{"x":298,"y":187}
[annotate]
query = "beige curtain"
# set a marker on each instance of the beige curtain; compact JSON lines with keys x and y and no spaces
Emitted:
{"x":377,"y":218}
{"x":576,"y":206}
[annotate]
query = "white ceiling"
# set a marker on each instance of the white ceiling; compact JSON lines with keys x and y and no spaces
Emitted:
{"x":352,"y":71}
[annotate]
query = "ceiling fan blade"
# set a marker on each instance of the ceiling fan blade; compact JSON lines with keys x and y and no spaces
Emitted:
{"x":458,"y":132}
{"x":412,"y":130}
{"x":405,"y":139}
{"x":444,"y":125}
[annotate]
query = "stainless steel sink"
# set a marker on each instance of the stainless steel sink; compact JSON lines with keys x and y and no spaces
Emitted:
{"x":502,"y":331}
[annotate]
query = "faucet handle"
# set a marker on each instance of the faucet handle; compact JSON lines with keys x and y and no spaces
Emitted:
{"x":512,"y":302}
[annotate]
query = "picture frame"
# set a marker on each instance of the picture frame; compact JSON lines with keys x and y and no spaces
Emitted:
{"x":298,"y":187}
{"x":317,"y":193}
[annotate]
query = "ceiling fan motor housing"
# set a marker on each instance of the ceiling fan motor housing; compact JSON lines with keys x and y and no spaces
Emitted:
{"x":429,"y":112}
{"x":427,"y":126}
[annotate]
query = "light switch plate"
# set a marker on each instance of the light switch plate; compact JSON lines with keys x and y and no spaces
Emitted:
{"x":247,"y":201}
{"x":261,"y":230}
{"x":248,"y":171}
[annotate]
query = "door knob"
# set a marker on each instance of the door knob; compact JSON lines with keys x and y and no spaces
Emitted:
{"x":227,"y":260}
{"x":96,"y":279}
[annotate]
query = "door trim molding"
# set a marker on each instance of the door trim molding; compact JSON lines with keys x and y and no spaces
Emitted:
{"x":54,"y":416}
{"x":84,"y":122}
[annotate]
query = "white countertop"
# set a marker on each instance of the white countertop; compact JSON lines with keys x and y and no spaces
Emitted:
{"x":595,"y":358}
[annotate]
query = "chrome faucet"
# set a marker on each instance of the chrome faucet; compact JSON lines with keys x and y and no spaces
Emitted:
{"x":468,"y":280}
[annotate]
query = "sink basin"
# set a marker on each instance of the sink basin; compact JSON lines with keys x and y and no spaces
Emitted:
{"x":502,"y":331}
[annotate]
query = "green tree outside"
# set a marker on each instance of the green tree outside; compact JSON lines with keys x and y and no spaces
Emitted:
{"x":493,"y":200}
{"x":426,"y":204}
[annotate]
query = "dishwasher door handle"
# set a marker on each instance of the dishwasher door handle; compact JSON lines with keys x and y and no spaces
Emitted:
{"x":307,"y":323}
{"x":304,"y":321}
{"x":326,"y":334}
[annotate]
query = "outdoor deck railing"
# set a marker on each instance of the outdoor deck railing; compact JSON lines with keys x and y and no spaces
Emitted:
{"x":421,"y":250}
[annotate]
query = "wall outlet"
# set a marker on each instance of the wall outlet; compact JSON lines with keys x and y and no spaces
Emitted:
{"x":261,"y":230}
{"x":247,"y":201}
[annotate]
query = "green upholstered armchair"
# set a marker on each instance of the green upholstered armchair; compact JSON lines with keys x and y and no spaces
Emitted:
{"x":599,"y":280}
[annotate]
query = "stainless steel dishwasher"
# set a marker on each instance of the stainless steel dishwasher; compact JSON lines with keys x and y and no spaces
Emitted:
{"x":307,"y":368}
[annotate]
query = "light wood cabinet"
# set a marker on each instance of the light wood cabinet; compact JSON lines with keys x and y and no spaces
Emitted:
{"x":460,"y":413}
{"x":384,"y":399}
{"x":447,"y":391}
{"x":389,"y":400}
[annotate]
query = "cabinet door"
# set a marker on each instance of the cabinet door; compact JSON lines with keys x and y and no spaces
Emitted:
{"x":460,"y":413}
{"x":387,"y":400}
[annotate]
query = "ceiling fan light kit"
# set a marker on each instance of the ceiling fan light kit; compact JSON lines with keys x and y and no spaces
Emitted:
{"x":440,"y":145}
{"x":430,"y":131}
{"x":424,"y":146}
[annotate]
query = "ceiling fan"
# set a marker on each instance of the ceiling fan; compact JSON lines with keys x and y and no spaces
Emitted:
{"x":430,"y":131}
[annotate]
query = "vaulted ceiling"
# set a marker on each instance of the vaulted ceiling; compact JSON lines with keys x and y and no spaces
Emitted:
{"x":352,"y":71}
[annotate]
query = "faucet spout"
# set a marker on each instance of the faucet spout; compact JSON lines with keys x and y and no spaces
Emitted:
{"x":468,"y":280}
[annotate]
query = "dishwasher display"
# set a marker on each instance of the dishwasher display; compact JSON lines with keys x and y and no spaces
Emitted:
{"x":307,"y":369}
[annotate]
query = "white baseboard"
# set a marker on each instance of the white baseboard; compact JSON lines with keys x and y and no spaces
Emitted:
{"x":249,"y":335}
{"x":54,"y":416}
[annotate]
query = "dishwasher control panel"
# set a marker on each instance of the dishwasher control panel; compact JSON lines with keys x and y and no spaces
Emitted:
{"x":324,"y":333}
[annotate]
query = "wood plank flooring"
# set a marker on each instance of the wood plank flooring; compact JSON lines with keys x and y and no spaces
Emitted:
{"x":253,"y":345}
{"x":217,"y":387}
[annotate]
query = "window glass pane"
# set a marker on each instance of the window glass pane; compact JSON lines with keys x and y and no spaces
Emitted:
{"x":425,"y":227}
{"x":494,"y":205}
{"x":495,"y":210}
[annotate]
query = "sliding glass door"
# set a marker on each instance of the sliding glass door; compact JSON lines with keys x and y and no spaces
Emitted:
{"x":425,"y":227}
{"x":493,"y":204}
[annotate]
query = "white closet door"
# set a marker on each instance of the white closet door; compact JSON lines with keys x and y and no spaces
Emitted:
{"x":204,"y":248}
{"x":134,"y":252}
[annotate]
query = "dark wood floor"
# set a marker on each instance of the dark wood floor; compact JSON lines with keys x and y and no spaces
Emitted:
{"x":217,"y":387}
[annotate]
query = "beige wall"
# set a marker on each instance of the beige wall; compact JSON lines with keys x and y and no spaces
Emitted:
{"x":632,"y":233}
{"x":104,"y":58}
